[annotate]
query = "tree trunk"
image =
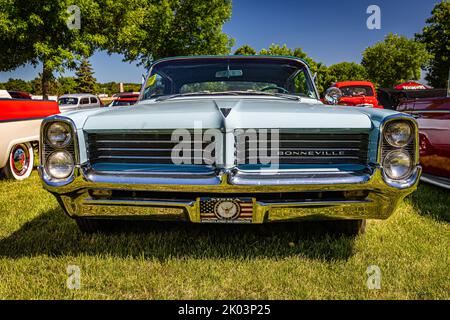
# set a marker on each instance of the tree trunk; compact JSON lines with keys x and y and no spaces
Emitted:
{"x":47,"y":75}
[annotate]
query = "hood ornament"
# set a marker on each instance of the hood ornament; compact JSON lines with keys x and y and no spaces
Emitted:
{"x":225,"y":111}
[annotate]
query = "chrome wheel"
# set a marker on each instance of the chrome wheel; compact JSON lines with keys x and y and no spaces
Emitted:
{"x":20,"y":162}
{"x":20,"y":159}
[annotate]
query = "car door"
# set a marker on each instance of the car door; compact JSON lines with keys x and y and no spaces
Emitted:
{"x":433,"y":116}
{"x":84,"y":103}
{"x":94,"y":102}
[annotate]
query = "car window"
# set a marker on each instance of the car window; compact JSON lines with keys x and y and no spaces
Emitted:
{"x":355,"y":91}
{"x":84,"y":101}
{"x":94,"y":100}
{"x":68,"y":101}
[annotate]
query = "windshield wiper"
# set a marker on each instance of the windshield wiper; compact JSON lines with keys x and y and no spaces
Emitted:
{"x":177,"y":95}
{"x":249,"y":92}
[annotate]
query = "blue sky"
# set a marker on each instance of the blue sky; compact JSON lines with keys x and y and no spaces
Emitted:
{"x":328,"y":31}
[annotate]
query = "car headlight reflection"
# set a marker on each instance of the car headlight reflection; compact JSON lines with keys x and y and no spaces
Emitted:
{"x":59,"y":135}
{"x":397,"y":165}
{"x":60,"y":165}
{"x":398,"y":134}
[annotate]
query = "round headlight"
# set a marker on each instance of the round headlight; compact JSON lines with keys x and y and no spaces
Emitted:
{"x":333,"y":95}
{"x":398,"y":134}
{"x":60,"y":165}
{"x":397,"y":165}
{"x":59,"y":134}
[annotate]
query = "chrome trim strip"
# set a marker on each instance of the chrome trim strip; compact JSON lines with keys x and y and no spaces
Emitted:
{"x":430,"y":180}
{"x":142,"y":202}
{"x":310,"y":203}
{"x":427,"y":111}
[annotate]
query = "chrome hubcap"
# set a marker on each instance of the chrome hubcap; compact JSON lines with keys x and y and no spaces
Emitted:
{"x":20,"y":159}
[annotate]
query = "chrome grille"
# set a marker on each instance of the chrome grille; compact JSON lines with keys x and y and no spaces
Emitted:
{"x":146,"y":148}
{"x":300,"y":148}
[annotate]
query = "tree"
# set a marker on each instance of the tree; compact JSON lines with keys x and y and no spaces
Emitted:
{"x":17,"y":85}
{"x":345,"y":71}
{"x":394,"y":60}
{"x":436,"y":37}
{"x":86,"y":83}
{"x":66,"y":85}
{"x":147,"y":30}
{"x":36,"y":86}
{"x":245,"y":50}
{"x":318,"y":69}
{"x":37,"y":32}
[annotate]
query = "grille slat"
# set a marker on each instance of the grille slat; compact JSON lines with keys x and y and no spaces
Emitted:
{"x":296,"y":148}
{"x":142,"y":148}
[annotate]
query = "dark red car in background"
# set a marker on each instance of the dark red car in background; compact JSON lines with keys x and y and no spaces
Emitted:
{"x":433,"y":116}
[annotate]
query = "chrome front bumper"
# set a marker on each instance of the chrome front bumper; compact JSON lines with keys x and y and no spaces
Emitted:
{"x":381,"y":196}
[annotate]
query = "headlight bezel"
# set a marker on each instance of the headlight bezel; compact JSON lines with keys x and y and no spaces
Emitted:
{"x":47,"y":149}
{"x":411,"y":148}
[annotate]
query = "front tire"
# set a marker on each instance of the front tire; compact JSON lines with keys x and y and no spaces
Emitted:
{"x":93,"y":225}
{"x":20,"y":162}
{"x":349,"y":227}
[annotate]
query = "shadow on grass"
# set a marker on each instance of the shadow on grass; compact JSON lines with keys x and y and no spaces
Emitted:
{"x":432,"y":201}
{"x":54,"y":234}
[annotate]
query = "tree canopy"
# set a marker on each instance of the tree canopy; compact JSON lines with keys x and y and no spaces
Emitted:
{"x":37,"y":32}
{"x":245,"y":50}
{"x":436,"y":37}
{"x":346,"y":71}
{"x":396,"y":59}
{"x":147,"y":30}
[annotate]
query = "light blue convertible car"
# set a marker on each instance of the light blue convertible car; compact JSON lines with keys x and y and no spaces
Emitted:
{"x":231,"y":139}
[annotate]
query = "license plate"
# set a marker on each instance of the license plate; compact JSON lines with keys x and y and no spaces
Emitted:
{"x":226,"y":210}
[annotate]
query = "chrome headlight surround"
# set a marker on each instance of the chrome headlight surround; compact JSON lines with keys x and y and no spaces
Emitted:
{"x":393,"y":150}
{"x":66,"y":148}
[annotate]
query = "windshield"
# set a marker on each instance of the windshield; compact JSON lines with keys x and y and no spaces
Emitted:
{"x":68,"y":101}
{"x":355,"y":91}
{"x":229,"y":75}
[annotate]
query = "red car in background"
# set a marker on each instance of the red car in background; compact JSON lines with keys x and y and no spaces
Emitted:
{"x":20,"y":122}
{"x":433,"y":116}
{"x":125,"y":100}
{"x":358,"y":94}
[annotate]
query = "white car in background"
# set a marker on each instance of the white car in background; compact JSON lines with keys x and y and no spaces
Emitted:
{"x":71,"y":102}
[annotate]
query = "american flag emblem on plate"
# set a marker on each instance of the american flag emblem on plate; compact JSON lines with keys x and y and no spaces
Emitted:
{"x":226,"y":210}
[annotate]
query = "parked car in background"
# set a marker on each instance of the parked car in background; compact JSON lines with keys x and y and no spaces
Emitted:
{"x":358,"y":94}
{"x":125,"y":100}
{"x":20,"y":95}
{"x":433,"y":116}
{"x":71,"y":102}
{"x":230,"y":139}
{"x":20,"y":121}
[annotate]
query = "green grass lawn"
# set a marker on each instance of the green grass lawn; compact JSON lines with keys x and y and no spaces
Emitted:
{"x":181,"y":261}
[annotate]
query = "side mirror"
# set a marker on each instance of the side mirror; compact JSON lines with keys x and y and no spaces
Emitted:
{"x":333,"y":95}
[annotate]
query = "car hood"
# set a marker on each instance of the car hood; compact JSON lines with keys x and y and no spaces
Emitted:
{"x":206,"y":113}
